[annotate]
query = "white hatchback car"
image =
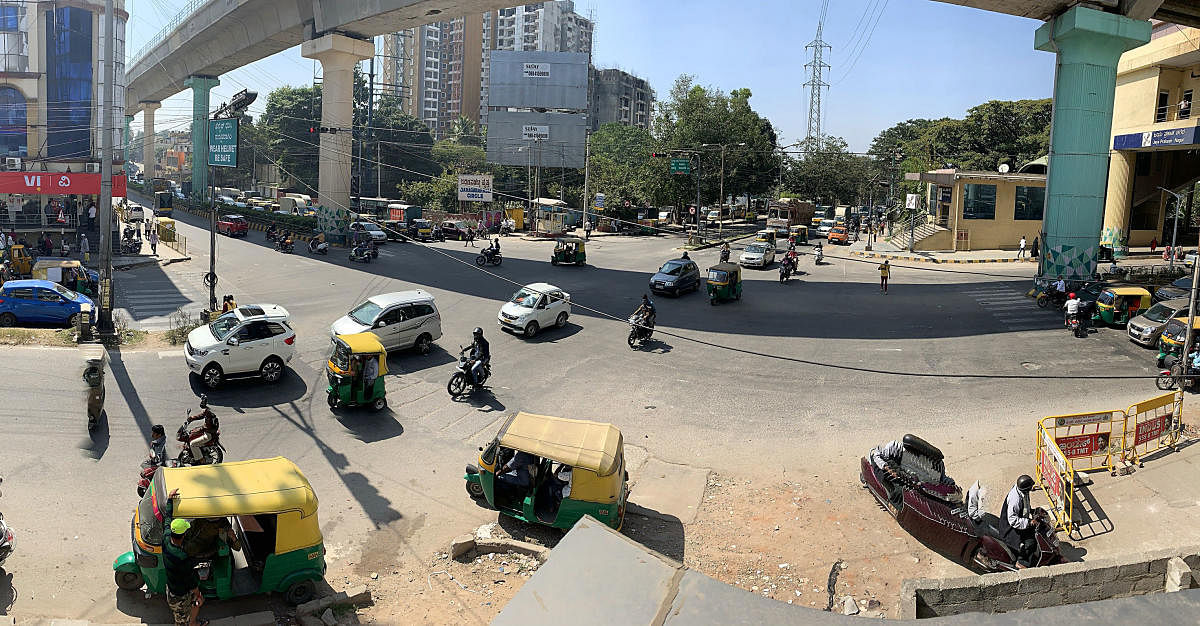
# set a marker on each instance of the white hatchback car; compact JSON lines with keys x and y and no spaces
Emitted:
{"x":758,"y":254}
{"x":373,"y":229}
{"x":404,"y":319}
{"x":534,"y":307}
{"x":251,"y":339}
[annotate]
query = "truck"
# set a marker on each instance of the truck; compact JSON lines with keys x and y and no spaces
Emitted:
{"x":784,"y":213}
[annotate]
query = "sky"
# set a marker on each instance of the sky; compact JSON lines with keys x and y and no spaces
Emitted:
{"x":891,"y":60}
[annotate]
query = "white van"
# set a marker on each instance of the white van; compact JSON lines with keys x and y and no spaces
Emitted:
{"x":404,"y":319}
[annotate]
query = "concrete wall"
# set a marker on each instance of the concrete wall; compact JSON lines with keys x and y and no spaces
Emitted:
{"x":1070,"y":583}
{"x":939,"y":241}
{"x":1001,"y":233}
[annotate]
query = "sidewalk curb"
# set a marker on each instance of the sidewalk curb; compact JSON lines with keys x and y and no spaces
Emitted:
{"x":163,"y":262}
{"x":714,"y":243}
{"x":897,"y":257}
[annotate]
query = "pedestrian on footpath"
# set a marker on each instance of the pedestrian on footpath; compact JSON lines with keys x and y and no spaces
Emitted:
{"x":1021,"y":247}
{"x":4,"y":244}
{"x":1153,"y":244}
{"x":153,"y":239}
{"x":92,"y":215}
{"x":1033,"y":253}
{"x":84,"y":248}
{"x":885,"y":272}
{"x":587,"y":230}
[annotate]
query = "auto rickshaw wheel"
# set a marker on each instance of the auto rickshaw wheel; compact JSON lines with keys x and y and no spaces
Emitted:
{"x":129,"y":581}
{"x":475,"y":490}
{"x":553,"y":260}
{"x":331,"y":397}
{"x":7,"y":319}
{"x":300,"y":592}
{"x":379,"y":404}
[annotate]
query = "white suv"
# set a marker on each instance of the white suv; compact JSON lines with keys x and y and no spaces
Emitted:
{"x":251,"y":339}
{"x":405,"y":319}
{"x":534,"y":307}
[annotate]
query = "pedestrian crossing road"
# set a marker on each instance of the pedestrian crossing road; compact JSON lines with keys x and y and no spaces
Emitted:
{"x":149,"y":298}
{"x":1013,"y":309}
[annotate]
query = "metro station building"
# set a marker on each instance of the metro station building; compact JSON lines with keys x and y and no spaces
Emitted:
{"x":1155,"y":141}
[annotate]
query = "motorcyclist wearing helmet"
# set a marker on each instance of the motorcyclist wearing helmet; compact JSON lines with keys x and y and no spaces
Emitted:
{"x":481,"y":354}
{"x":1017,"y":526}
{"x":1071,"y":306}
{"x":206,"y":433}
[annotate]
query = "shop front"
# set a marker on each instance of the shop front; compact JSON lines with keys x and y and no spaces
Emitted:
{"x":50,"y":203}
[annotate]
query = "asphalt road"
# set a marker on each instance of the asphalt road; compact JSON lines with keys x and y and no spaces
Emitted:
{"x":756,"y":386}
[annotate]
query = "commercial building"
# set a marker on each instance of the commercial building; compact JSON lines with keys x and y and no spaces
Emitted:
{"x":51,"y":104}
{"x":972,"y":210}
{"x":619,"y":97}
{"x":1155,"y":141}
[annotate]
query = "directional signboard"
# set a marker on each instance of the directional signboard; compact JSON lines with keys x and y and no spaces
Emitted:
{"x":475,"y":187}
{"x":223,"y":143}
{"x":681,"y":166}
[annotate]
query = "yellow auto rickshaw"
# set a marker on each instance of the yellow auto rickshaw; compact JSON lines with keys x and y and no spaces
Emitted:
{"x":254,"y":521}
{"x":724,"y":282}
{"x":553,"y":471}
{"x":69,"y":273}
{"x":569,"y":250}
{"x":766,"y":235}
{"x":1117,"y":305}
{"x":20,"y":262}
{"x":798,"y":235}
{"x":355,"y":370}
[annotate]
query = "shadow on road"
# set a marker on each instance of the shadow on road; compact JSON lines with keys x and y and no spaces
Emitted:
{"x":369,"y":426}
{"x":482,"y":399}
{"x":252,"y":392}
{"x":125,"y":385}
{"x":409,"y":362}
{"x":95,"y":443}
{"x":660,"y":532}
{"x":154,"y":610}
{"x":8,"y":592}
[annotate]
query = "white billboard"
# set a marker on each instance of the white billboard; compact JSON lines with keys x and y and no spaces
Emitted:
{"x":475,"y":187}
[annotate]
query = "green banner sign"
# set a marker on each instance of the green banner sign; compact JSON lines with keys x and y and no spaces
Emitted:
{"x":681,"y":166}
{"x":223,"y":143}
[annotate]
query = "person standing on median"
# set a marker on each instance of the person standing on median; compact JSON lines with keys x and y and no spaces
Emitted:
{"x":885,"y":272}
{"x":1021,"y":247}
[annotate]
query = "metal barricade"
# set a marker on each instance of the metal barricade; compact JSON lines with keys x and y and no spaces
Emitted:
{"x":1153,"y":425}
{"x":1056,"y":476}
{"x":1091,"y":441}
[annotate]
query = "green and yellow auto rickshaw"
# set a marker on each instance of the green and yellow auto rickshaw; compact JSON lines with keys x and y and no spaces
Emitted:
{"x":1170,"y":342}
{"x":553,"y":471}
{"x":252,"y":523}
{"x":1117,"y":305}
{"x":798,"y":235}
{"x":724,"y":282}
{"x":355,"y":370}
{"x":767,"y":235}
{"x":569,"y":250}
{"x":69,"y":273}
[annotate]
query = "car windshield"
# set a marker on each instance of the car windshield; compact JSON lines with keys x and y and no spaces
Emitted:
{"x":64,"y":292}
{"x":222,"y":326}
{"x":757,"y":249}
{"x":1159,"y":313}
{"x":371,"y":226}
{"x":839,"y":230}
{"x":671,"y":268}
{"x":526,"y":297}
{"x":1183,"y":283}
{"x":365,"y":313}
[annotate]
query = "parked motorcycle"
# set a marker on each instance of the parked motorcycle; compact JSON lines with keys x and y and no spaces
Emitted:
{"x":1174,"y":376}
{"x":211,"y":452}
{"x":931,"y":508}
{"x":488,"y":255}
{"x":461,"y":379}
{"x":318,"y":247}
{"x":6,"y":538}
{"x":132,"y":245}
{"x":506,"y":229}
{"x":360,"y":254}
{"x":640,"y":331}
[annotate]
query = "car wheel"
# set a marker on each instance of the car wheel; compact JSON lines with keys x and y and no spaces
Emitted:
{"x":212,"y":376}
{"x":561,"y":321}
{"x":424,"y":344}
{"x":531,"y":329}
{"x":73,"y":321}
{"x":271,"y":370}
{"x":8,"y":319}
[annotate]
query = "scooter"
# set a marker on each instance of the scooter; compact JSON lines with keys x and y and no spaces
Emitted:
{"x":318,"y":247}
{"x":1053,"y":297}
{"x":640,"y":331}
{"x":724,"y":255}
{"x":211,"y":452}
{"x":928,"y":505}
{"x":360,"y":254}
{"x":460,"y":380}
{"x":131,"y":245}
{"x":6,"y":538}
{"x":820,"y":255}
{"x":285,"y":246}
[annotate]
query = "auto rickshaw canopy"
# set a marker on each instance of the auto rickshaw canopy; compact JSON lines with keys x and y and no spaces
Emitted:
{"x":246,"y":488}
{"x":766,"y":234}
{"x":364,"y":343}
{"x":565,"y":240}
{"x":593,"y":446}
{"x":724,"y":273}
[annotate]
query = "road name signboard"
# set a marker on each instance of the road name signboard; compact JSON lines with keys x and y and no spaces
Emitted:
{"x":535,"y":132}
{"x":912,"y":201}
{"x":223,"y":143}
{"x":475,"y":187}
{"x":681,"y":166}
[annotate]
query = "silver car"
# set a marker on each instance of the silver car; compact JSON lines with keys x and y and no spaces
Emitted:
{"x":1146,"y":328}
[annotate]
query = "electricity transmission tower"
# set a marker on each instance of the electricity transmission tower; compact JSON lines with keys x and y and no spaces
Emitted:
{"x":816,"y":83}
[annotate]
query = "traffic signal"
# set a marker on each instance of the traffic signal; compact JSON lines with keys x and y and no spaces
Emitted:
{"x":659,"y":155}
{"x":332,"y":130}
{"x":312,"y":130}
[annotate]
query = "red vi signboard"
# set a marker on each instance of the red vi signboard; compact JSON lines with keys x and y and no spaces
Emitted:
{"x":57,"y":183}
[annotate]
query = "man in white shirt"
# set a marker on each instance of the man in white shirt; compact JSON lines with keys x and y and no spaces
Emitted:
{"x":1016,"y":519}
{"x":91,"y":216}
{"x":1060,"y":285}
{"x":1072,"y":305}
{"x":1021,"y":251}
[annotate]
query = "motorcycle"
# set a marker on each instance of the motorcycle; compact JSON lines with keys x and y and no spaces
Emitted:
{"x":211,"y":452}
{"x":1052,"y":296}
{"x":461,"y":379}
{"x":928,"y":505}
{"x":146,"y":473}
{"x":1174,"y":376}
{"x":724,"y":255}
{"x":820,"y":255}
{"x":489,"y":255}
{"x":786,"y":269}
{"x":640,"y":331}
{"x":6,"y":538}
{"x":506,"y":229}
{"x":318,"y":247}
{"x":360,"y":254}
{"x":132,"y":245}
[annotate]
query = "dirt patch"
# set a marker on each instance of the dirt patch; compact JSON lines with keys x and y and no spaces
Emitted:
{"x":57,"y":337}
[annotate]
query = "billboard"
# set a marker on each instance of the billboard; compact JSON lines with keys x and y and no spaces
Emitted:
{"x":538,"y":80}
{"x":530,"y":138}
{"x":475,"y":187}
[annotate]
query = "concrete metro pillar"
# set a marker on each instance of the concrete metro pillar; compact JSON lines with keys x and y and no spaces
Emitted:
{"x":1118,"y":202}
{"x":126,"y":138}
{"x":338,"y":55}
{"x":148,"y":109}
{"x":200,"y":86}
{"x":1088,"y":44}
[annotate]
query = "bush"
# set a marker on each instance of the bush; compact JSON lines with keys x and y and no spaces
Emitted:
{"x":182,"y":323}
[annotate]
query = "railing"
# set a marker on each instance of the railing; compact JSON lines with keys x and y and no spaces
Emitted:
{"x":188,"y":10}
{"x":34,"y":221}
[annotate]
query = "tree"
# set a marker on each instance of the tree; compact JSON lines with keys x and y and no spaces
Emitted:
{"x":622,"y":168}
{"x":439,"y":193}
{"x":290,"y":113}
{"x":465,"y":131}
{"x":827,"y":175}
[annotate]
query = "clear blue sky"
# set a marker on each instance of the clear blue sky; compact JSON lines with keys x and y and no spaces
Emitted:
{"x":921,"y":58}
